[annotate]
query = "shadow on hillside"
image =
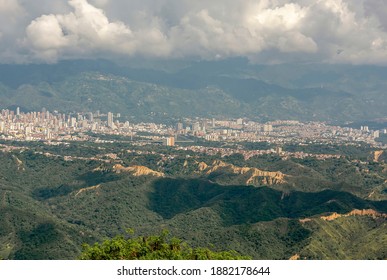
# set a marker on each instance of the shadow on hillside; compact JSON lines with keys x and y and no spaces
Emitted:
{"x":34,"y":243}
{"x":85,"y":180}
{"x":240,"y":204}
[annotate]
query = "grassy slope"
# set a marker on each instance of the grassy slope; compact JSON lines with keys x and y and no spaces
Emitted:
{"x":354,"y":237}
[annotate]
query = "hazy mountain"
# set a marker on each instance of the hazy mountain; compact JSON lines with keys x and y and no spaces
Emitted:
{"x":230,"y":88}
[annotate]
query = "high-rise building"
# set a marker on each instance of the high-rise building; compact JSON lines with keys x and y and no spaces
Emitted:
{"x":90,"y":116}
{"x":73,"y":122}
{"x":196,"y":126}
{"x":94,"y":126}
{"x":17,"y":111}
{"x":203,"y":125}
{"x":110,"y":122}
{"x":28,"y":130}
{"x":47,"y":133}
{"x":267,"y":128}
{"x":364,"y":128}
{"x":169,"y":141}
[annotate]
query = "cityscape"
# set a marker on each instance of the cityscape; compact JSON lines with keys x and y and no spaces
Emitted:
{"x":193,"y":130}
{"x":55,"y":126}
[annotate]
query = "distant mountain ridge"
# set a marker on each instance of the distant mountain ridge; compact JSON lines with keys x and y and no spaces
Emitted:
{"x":231,"y":88}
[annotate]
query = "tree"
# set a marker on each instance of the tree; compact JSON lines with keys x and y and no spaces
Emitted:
{"x":157,"y":247}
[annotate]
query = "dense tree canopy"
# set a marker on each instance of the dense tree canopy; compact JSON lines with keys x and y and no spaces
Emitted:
{"x":157,"y":247}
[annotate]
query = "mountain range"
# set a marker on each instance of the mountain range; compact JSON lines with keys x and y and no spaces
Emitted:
{"x":222,"y":89}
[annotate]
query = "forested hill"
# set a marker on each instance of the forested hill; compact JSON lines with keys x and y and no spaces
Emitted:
{"x":231,"y":88}
{"x":51,"y":204}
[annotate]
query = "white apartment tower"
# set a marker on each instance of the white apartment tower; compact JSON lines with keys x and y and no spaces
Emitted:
{"x":110,"y":122}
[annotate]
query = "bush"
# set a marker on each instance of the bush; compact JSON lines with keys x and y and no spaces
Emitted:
{"x":158,"y":247}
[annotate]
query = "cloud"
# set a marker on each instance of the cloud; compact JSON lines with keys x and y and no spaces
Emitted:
{"x":84,"y":30}
{"x":336,"y":25}
{"x":9,"y":6}
{"x":12,"y":25}
{"x":378,"y":9}
{"x":10,"y":13}
{"x":265,"y":31}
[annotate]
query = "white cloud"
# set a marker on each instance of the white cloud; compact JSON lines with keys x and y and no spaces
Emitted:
{"x":12,"y":20}
{"x":209,"y":33}
{"x":336,"y":25}
{"x":9,"y":6}
{"x":286,"y":17}
{"x":281,"y":26}
{"x":100,"y":3}
{"x":10,"y":13}
{"x":85,"y":29}
{"x":377,"y":9}
{"x":265,"y":30}
{"x":46,"y":33}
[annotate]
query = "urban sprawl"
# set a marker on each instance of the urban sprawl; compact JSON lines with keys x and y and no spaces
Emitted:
{"x":59,"y":127}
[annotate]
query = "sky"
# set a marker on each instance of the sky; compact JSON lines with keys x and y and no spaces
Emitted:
{"x":264,"y":31}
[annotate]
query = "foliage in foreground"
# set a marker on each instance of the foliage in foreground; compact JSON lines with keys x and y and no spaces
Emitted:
{"x":157,"y":247}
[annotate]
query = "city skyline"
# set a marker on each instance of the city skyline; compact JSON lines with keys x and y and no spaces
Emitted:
{"x":33,"y":126}
{"x":251,"y":129}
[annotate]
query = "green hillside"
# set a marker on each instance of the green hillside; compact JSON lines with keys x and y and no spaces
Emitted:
{"x":347,"y":238}
{"x":51,"y":206}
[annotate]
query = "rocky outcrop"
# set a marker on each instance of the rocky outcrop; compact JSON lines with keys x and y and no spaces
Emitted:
{"x":87,"y":189}
{"x":251,"y":175}
{"x":377,"y":155}
{"x":101,"y":168}
{"x":295,"y":257}
{"x":365,"y":212}
{"x":202,"y":166}
{"x":19,"y":163}
{"x":306,"y":220}
{"x":137,"y":170}
{"x":265,"y":177}
{"x":4,"y":199}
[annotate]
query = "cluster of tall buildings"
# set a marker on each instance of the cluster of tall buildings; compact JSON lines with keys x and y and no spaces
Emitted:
{"x":45,"y":125}
{"x":199,"y":127}
{"x":275,"y":131}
